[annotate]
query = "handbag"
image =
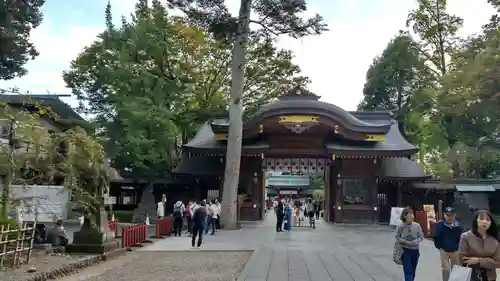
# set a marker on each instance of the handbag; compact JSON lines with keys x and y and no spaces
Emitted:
{"x":397,"y":254}
{"x":460,"y":273}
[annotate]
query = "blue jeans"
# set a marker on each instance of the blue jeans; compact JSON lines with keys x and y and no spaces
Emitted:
{"x":210,"y":225}
{"x":410,"y":262}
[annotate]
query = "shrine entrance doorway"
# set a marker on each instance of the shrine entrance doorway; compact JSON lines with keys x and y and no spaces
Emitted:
{"x":295,"y":178}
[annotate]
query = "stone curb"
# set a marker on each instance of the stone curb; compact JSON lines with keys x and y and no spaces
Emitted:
{"x":73,"y":267}
{"x":244,"y":272}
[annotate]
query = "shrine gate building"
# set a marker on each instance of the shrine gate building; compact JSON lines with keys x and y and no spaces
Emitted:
{"x":366,"y":162}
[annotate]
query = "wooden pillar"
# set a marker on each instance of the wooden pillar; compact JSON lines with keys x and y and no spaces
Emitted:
{"x":338,"y":192}
{"x":400,"y":195}
{"x":374,"y":192}
{"x":326,"y":188}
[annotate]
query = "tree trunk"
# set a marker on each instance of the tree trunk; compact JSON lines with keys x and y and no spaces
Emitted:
{"x":233,"y":153}
{"x":7,"y":186}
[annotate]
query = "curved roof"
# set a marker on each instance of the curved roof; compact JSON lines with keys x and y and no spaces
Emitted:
{"x":296,"y":102}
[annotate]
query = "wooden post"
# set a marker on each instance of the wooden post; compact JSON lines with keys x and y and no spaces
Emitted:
{"x":400,"y":195}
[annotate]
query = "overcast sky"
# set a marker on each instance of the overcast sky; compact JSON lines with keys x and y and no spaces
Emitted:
{"x":336,"y":61}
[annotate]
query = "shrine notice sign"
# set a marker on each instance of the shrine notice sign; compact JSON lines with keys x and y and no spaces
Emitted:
{"x":396,"y":216}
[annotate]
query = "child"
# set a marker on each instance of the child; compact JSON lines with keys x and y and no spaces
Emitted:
{"x":409,"y":234}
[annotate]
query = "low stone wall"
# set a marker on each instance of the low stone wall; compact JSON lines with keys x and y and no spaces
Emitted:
{"x":72,"y":267}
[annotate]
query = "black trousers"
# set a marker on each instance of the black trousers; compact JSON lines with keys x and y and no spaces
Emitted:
{"x":317,"y":215}
{"x":178,"y":226}
{"x":190,"y":224}
{"x":217,"y":223}
{"x":197,"y":231}
{"x":279,"y":222}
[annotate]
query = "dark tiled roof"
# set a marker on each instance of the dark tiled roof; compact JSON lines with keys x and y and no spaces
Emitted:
{"x":60,"y":108}
{"x":305,"y":106}
{"x":205,"y":139}
{"x":200,"y":165}
{"x":401,"y":168}
{"x":394,"y":142}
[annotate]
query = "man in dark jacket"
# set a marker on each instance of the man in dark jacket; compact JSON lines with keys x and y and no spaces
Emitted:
{"x":280,"y":215}
{"x":446,"y":239}
{"x":199,"y":218}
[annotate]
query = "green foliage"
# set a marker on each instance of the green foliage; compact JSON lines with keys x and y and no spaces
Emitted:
{"x":274,"y":17}
{"x":17,"y":19}
{"x":317,"y":182}
{"x":39,"y":157}
{"x":153,"y":81}
{"x":437,"y":32}
{"x":395,"y":78}
{"x":319,"y":195}
{"x":453,"y":115}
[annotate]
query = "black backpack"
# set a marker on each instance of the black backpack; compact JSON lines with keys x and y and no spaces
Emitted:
{"x":178,"y":212}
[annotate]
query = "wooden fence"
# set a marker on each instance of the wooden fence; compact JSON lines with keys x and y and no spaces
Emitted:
{"x":16,"y":244}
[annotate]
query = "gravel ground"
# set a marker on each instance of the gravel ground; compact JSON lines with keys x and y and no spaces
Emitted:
{"x":42,"y":263}
{"x":168,"y":266}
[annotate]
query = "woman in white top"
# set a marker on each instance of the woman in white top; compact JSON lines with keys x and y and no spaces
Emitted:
{"x":211,"y":217}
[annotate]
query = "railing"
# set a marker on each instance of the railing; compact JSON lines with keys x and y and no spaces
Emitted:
{"x":134,"y":235}
{"x":113,"y":226}
{"x":16,"y":244}
{"x":164,"y":226}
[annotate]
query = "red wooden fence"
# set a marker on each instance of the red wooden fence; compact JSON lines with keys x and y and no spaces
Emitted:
{"x":113,"y":226}
{"x":133,"y":235}
{"x":421,"y":218}
{"x":164,"y":226}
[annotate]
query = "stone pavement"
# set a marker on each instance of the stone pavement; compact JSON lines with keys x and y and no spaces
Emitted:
{"x":331,"y":252}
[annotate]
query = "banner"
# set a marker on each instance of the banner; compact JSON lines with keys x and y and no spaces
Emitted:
{"x":396,"y":216}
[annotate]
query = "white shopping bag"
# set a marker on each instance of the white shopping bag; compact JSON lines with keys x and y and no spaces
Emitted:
{"x":460,"y":273}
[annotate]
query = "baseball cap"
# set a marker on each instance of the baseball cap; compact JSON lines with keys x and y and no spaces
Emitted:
{"x":449,"y":210}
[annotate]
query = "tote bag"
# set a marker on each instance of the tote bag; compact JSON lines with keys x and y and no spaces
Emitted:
{"x":460,"y":273}
{"x":397,"y":254}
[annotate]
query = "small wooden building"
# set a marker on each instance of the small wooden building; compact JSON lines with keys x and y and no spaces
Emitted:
{"x":366,"y":162}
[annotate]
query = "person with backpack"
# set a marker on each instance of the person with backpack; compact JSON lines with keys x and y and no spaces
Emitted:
{"x":178,"y":214}
{"x":199,"y":218}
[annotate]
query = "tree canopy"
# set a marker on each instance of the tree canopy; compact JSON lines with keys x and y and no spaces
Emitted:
{"x":452,"y":113}
{"x":151,"y":82}
{"x":17,"y":20}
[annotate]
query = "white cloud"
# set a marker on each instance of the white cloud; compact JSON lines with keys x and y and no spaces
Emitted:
{"x":336,"y":61}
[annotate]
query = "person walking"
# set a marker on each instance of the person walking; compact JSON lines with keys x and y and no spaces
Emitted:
{"x":280,"y":215}
{"x":317,"y":208}
{"x":199,"y":217}
{"x":211,"y":217}
{"x":479,"y":247}
{"x":446,"y":239}
{"x":178,"y":214}
{"x":409,"y":234}
{"x":189,"y":216}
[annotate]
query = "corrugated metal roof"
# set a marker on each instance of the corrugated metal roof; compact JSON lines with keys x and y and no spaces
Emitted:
{"x":474,"y":188}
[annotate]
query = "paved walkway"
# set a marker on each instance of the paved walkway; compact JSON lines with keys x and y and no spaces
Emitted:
{"x":331,"y":252}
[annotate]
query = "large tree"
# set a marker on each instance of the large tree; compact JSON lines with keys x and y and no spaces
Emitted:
{"x":274,"y":18}
{"x":436,"y":30}
{"x":398,"y":80}
{"x":17,"y":19}
{"x":394,"y":78}
{"x":148,"y":110}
